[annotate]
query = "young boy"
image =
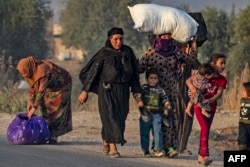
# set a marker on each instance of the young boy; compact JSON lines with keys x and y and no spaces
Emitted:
{"x":199,"y":79}
{"x":150,"y":105}
{"x":244,"y":122}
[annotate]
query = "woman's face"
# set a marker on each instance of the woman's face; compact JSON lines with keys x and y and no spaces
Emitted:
{"x":190,"y":48}
{"x":116,"y":41}
{"x":166,"y":36}
{"x":25,"y":75}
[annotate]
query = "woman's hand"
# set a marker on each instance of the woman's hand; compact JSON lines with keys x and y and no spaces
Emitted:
{"x":83,"y":97}
{"x":31,"y":112}
{"x":29,"y":106}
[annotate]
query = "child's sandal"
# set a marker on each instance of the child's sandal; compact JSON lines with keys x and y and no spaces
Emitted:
{"x":205,"y":162}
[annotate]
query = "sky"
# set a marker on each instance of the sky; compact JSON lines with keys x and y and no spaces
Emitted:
{"x":194,"y":5}
{"x":197,"y":5}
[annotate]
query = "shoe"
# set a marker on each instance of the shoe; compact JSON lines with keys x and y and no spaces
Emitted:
{"x":53,"y":140}
{"x":206,"y":161}
{"x":186,"y":152}
{"x":146,"y":154}
{"x":115,"y":154}
{"x":158,"y":153}
{"x":172,"y":154}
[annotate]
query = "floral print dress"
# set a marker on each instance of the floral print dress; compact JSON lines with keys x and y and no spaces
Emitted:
{"x":52,"y":93}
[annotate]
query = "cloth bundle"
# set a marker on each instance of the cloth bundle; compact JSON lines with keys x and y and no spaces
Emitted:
{"x":201,"y":34}
{"x":28,"y":131}
{"x":157,"y":19}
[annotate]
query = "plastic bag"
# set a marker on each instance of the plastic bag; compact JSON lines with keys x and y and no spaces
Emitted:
{"x":157,"y":19}
{"x":28,"y":131}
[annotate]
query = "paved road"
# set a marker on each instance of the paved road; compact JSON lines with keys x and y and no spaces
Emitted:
{"x":61,"y":156}
{"x":82,"y":148}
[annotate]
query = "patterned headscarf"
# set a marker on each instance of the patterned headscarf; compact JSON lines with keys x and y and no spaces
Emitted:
{"x":35,"y":69}
{"x":165,"y":47}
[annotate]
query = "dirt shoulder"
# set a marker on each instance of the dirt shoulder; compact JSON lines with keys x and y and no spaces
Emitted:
{"x":86,"y":136}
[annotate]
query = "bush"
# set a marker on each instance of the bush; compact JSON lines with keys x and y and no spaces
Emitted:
{"x":12,"y":101}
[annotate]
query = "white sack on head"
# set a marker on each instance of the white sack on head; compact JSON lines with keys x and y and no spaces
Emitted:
{"x":157,"y":19}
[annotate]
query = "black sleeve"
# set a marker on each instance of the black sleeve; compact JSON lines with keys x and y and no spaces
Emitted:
{"x":89,"y":81}
{"x":89,"y":75}
{"x":135,"y":80}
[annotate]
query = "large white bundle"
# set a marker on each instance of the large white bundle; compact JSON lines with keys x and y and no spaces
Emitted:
{"x":157,"y":19}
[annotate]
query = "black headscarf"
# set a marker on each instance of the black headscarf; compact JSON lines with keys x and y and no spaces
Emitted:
{"x":115,"y":30}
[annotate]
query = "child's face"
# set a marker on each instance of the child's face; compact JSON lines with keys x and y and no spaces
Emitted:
{"x":244,"y":92}
{"x":220,"y":65}
{"x":152,"y":80}
{"x":208,"y":76}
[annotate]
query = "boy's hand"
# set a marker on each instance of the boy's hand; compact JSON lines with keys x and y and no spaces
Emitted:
{"x":167,"y":106}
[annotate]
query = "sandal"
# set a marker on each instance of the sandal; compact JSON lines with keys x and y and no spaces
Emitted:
{"x":207,"y":161}
{"x":115,"y":154}
{"x":105,"y":148}
{"x":172,"y":154}
{"x":186,"y":152}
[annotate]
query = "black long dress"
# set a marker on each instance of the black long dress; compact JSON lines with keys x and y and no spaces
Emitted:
{"x":185,"y":122}
{"x":110,"y":74}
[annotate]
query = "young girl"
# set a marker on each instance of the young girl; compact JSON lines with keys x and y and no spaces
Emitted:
{"x":244,"y":122}
{"x":218,"y":84}
{"x":200,"y":80}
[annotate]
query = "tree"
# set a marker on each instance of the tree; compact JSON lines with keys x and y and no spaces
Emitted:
{"x":218,"y":38}
{"x":23,"y":27}
{"x":240,"y":53}
{"x":85,"y":23}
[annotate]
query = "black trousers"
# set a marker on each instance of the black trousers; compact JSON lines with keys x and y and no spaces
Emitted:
{"x":244,"y":136}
